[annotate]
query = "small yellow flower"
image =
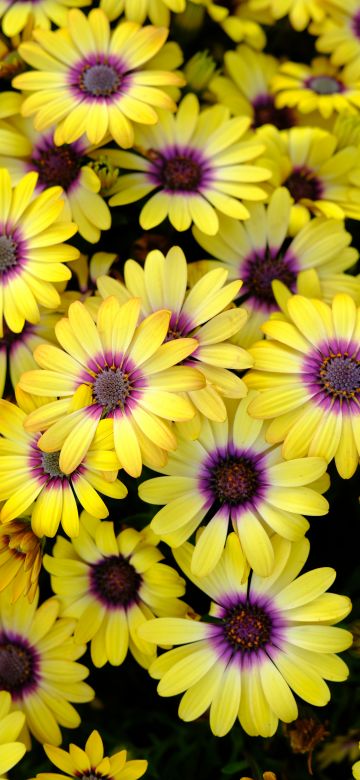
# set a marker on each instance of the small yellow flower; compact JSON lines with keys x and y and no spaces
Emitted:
{"x":320,"y":86}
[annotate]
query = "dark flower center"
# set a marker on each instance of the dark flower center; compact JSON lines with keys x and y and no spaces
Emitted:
{"x":17,"y":666}
{"x":181,"y":173}
{"x":115,"y":581}
{"x":8,"y":253}
{"x":100,"y":80}
{"x":356,"y":24}
{"x":340,"y":376}
{"x":50,"y":464}
{"x":58,"y":165}
{"x":266,"y":113}
{"x":324,"y":85}
{"x":235,"y":480}
{"x":247,"y":627}
{"x":111,"y":388}
{"x":259,"y":273}
{"x":302,"y":183}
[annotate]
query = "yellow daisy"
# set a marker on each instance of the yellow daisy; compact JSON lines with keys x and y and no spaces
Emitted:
{"x":117,"y":370}
{"x":231,"y":473}
{"x":266,"y":638}
{"x":88,"y":78}
{"x":111,"y":585}
{"x":16,"y":14}
{"x":260,"y":251}
{"x":20,"y":559}
{"x":320,"y":86}
{"x":198,"y":163}
{"x":245,"y":88}
{"x":198,"y":314}
{"x":158,"y":11}
{"x":308,"y":373}
{"x":38,"y":667}
{"x":91,"y":763}
{"x":300,"y":12}
{"x":339,"y":32}
{"x":11,"y":723}
{"x":308,"y":162}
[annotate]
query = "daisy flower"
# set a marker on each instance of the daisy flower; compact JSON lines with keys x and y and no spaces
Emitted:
{"x":66,"y":166}
{"x":308,"y":162}
{"x":339,"y":32}
{"x":88,"y":78}
{"x":198,"y":314}
{"x":319,"y":86}
{"x":11,"y":723}
{"x":111,"y":585}
{"x":260,"y":251}
{"x":158,"y":11}
{"x":245,"y":89}
{"x":20,"y":559}
{"x":32,"y":254}
{"x":300,"y":12}
{"x":231,"y":473}
{"x":268,"y":637}
{"x":16,"y":14}
{"x":199,"y":164}
{"x":117,"y":370}
{"x":38,"y":667}
{"x":91,"y":762}
{"x":32,"y":480}
{"x":308,"y":372}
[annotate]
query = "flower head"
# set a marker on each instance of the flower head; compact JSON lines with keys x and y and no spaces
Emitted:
{"x":116,"y":584}
{"x":267,"y":637}
{"x":89,"y":78}
{"x":339,"y":31}
{"x":16,"y":14}
{"x":318,"y":86}
{"x":21,"y":553}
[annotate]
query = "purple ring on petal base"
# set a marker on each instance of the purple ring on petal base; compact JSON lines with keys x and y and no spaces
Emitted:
{"x":99,"y":78}
{"x":233,"y":478}
{"x":19,"y":665}
{"x":355,"y":24}
{"x":180,"y":169}
{"x":13,"y":253}
{"x":258,"y":271}
{"x":57,"y":165}
{"x":332,"y":373}
{"x":303,"y":184}
{"x":324,"y":85}
{"x":266,"y":113}
{"x":115,"y":582}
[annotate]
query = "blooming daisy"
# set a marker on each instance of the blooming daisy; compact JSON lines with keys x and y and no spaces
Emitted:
{"x":38,"y":667}
{"x":15,"y":14}
{"x":111,"y":585}
{"x":245,"y":89}
{"x":267,"y":638}
{"x":91,"y":763}
{"x":260,"y":251}
{"x":65,"y":166}
{"x":199,"y":164}
{"x":11,"y":723}
{"x":158,"y":11}
{"x":32,"y":254}
{"x":32,"y":480}
{"x":88,"y":78}
{"x":20,"y":559}
{"x":339,"y":32}
{"x":117,"y":370}
{"x":319,"y":86}
{"x":232,"y":473}
{"x":199,"y":314}
{"x":308,"y":372}
{"x":308,"y":162}
{"x":300,"y":12}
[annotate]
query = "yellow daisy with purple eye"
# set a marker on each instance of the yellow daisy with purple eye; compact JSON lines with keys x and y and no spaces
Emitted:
{"x":339,"y":32}
{"x":264,"y":638}
{"x":232,"y":474}
{"x":32,"y":480}
{"x":308,"y":374}
{"x":111,"y":585}
{"x":116,"y":370}
{"x":15,"y":14}
{"x":320,"y":86}
{"x":194,"y":165}
{"x":89,"y":78}
{"x":198,"y":314}
{"x":260,"y":251}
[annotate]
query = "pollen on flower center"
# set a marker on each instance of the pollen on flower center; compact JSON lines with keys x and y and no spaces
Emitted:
{"x":115,"y":581}
{"x":247,"y":627}
{"x":181,"y":173}
{"x":235,"y":480}
{"x":324,"y":85}
{"x":111,"y":388}
{"x":50,"y":464}
{"x":303,"y":184}
{"x":259,"y":273}
{"x":8,"y":253}
{"x":17,"y":666}
{"x":340,"y":376}
{"x":58,"y":165}
{"x":100,"y":80}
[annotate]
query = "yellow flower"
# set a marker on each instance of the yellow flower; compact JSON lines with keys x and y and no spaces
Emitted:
{"x":91,"y":763}
{"x":319,"y":86}
{"x":20,"y":559}
{"x":88,"y":78}
{"x":158,"y":11}
{"x":16,"y":14}
{"x":111,"y":585}
{"x":11,"y":723}
{"x":300,"y":12}
{"x":339,"y":30}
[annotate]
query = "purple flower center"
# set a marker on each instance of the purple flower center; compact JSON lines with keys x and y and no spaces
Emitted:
{"x":115,"y":581}
{"x":8,"y":253}
{"x":339,"y":376}
{"x":234,"y":480}
{"x":355,"y":24}
{"x":101,"y":80}
{"x":259,"y":272}
{"x":302,"y":183}
{"x":57,"y":165}
{"x":17,"y":666}
{"x":50,"y":464}
{"x":247,"y":627}
{"x":111,"y":388}
{"x":266,"y":113}
{"x":181,"y":173}
{"x":324,"y":85}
